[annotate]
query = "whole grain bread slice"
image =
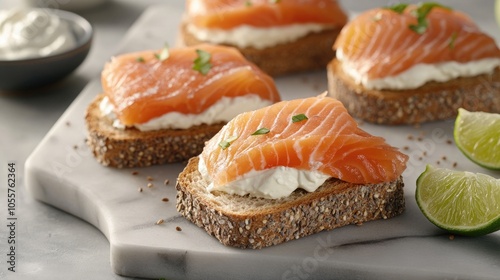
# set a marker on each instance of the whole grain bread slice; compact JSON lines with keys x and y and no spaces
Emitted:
{"x":249,"y":222}
{"x":432,"y":102}
{"x":308,"y":53}
{"x":131,"y":147}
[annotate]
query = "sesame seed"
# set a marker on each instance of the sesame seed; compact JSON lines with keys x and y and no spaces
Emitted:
{"x":449,"y":142}
{"x":444,"y":158}
{"x":160,"y":221}
{"x":135,"y":172}
{"x":150,"y":185}
{"x":149,"y":178}
{"x":165,"y":199}
{"x":166,"y":182}
{"x":455,"y":164}
{"x":410,"y":137}
{"x":140,"y":189}
{"x":178,"y":228}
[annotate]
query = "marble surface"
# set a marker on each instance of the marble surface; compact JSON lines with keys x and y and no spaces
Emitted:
{"x":53,"y":244}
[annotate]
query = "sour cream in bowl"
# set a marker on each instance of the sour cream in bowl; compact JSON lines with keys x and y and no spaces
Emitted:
{"x":40,"y":46}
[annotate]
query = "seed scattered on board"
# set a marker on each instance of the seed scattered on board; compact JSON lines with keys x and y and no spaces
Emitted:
{"x":160,"y":221}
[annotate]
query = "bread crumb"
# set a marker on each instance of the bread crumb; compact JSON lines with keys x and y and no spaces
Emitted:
{"x":149,"y":178}
{"x":420,"y":139}
{"x":410,"y":137}
{"x":178,"y":228}
{"x":165,"y":199}
{"x":451,"y":237}
{"x":406,"y":148}
{"x":444,"y":158}
{"x":75,"y":147}
{"x":166,"y":182}
{"x":68,"y":123}
{"x":160,"y":221}
{"x":449,"y":142}
{"x":455,"y":164}
{"x":438,"y":162}
{"x":135,"y":172}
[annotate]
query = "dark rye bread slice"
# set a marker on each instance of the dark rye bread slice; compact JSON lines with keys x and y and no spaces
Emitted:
{"x":311,"y":52}
{"x":432,"y":102}
{"x":134,"y":148}
{"x":246,"y":222}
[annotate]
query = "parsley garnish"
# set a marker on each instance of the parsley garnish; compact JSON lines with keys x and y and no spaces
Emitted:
{"x":421,"y":14}
{"x":299,"y":118}
{"x":398,"y":8}
{"x":453,"y":38}
{"x":226,"y":143}
{"x":164,"y":54}
{"x":261,"y":131}
{"x":202,"y":62}
{"x":140,"y":59}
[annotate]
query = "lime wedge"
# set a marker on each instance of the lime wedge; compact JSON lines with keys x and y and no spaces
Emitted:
{"x":477,"y":135}
{"x":459,"y":202}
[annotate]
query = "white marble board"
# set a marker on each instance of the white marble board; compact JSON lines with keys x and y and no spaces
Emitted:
{"x":62,"y":172}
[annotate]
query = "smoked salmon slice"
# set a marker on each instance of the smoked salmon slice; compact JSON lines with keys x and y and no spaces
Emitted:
{"x":228,"y":14}
{"x":387,"y":41}
{"x":143,"y":85}
{"x":313,"y":134}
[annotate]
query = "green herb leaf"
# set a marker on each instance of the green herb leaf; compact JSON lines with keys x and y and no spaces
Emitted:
{"x":261,"y":131}
{"x":248,"y":3}
{"x":164,"y":54}
{"x":299,"y":118}
{"x":226,"y":143}
{"x":202,"y":62}
{"x":421,"y":14}
{"x":398,"y":8}
{"x":274,"y":1}
{"x":140,"y":59}
{"x":453,"y":38}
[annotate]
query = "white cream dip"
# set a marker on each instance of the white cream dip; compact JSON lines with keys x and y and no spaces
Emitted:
{"x":32,"y":33}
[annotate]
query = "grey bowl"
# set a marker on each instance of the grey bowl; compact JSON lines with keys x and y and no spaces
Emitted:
{"x":18,"y":75}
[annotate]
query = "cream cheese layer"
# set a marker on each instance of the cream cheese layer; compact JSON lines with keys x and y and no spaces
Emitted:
{"x":421,"y":74}
{"x":222,"y":111}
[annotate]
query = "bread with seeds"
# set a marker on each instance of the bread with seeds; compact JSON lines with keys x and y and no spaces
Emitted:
{"x":289,"y":170}
{"x":131,"y":147}
{"x":249,"y":222}
{"x":431,"y":102}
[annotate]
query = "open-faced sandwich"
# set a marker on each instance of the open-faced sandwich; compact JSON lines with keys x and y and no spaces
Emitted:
{"x":161,"y":106}
{"x":414,"y":63}
{"x":281,"y":37}
{"x":290,"y":170}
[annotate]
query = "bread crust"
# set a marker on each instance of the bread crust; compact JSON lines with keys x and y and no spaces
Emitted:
{"x":134,"y":148}
{"x":246,"y":222}
{"x":311,"y":52}
{"x":432,"y":102}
